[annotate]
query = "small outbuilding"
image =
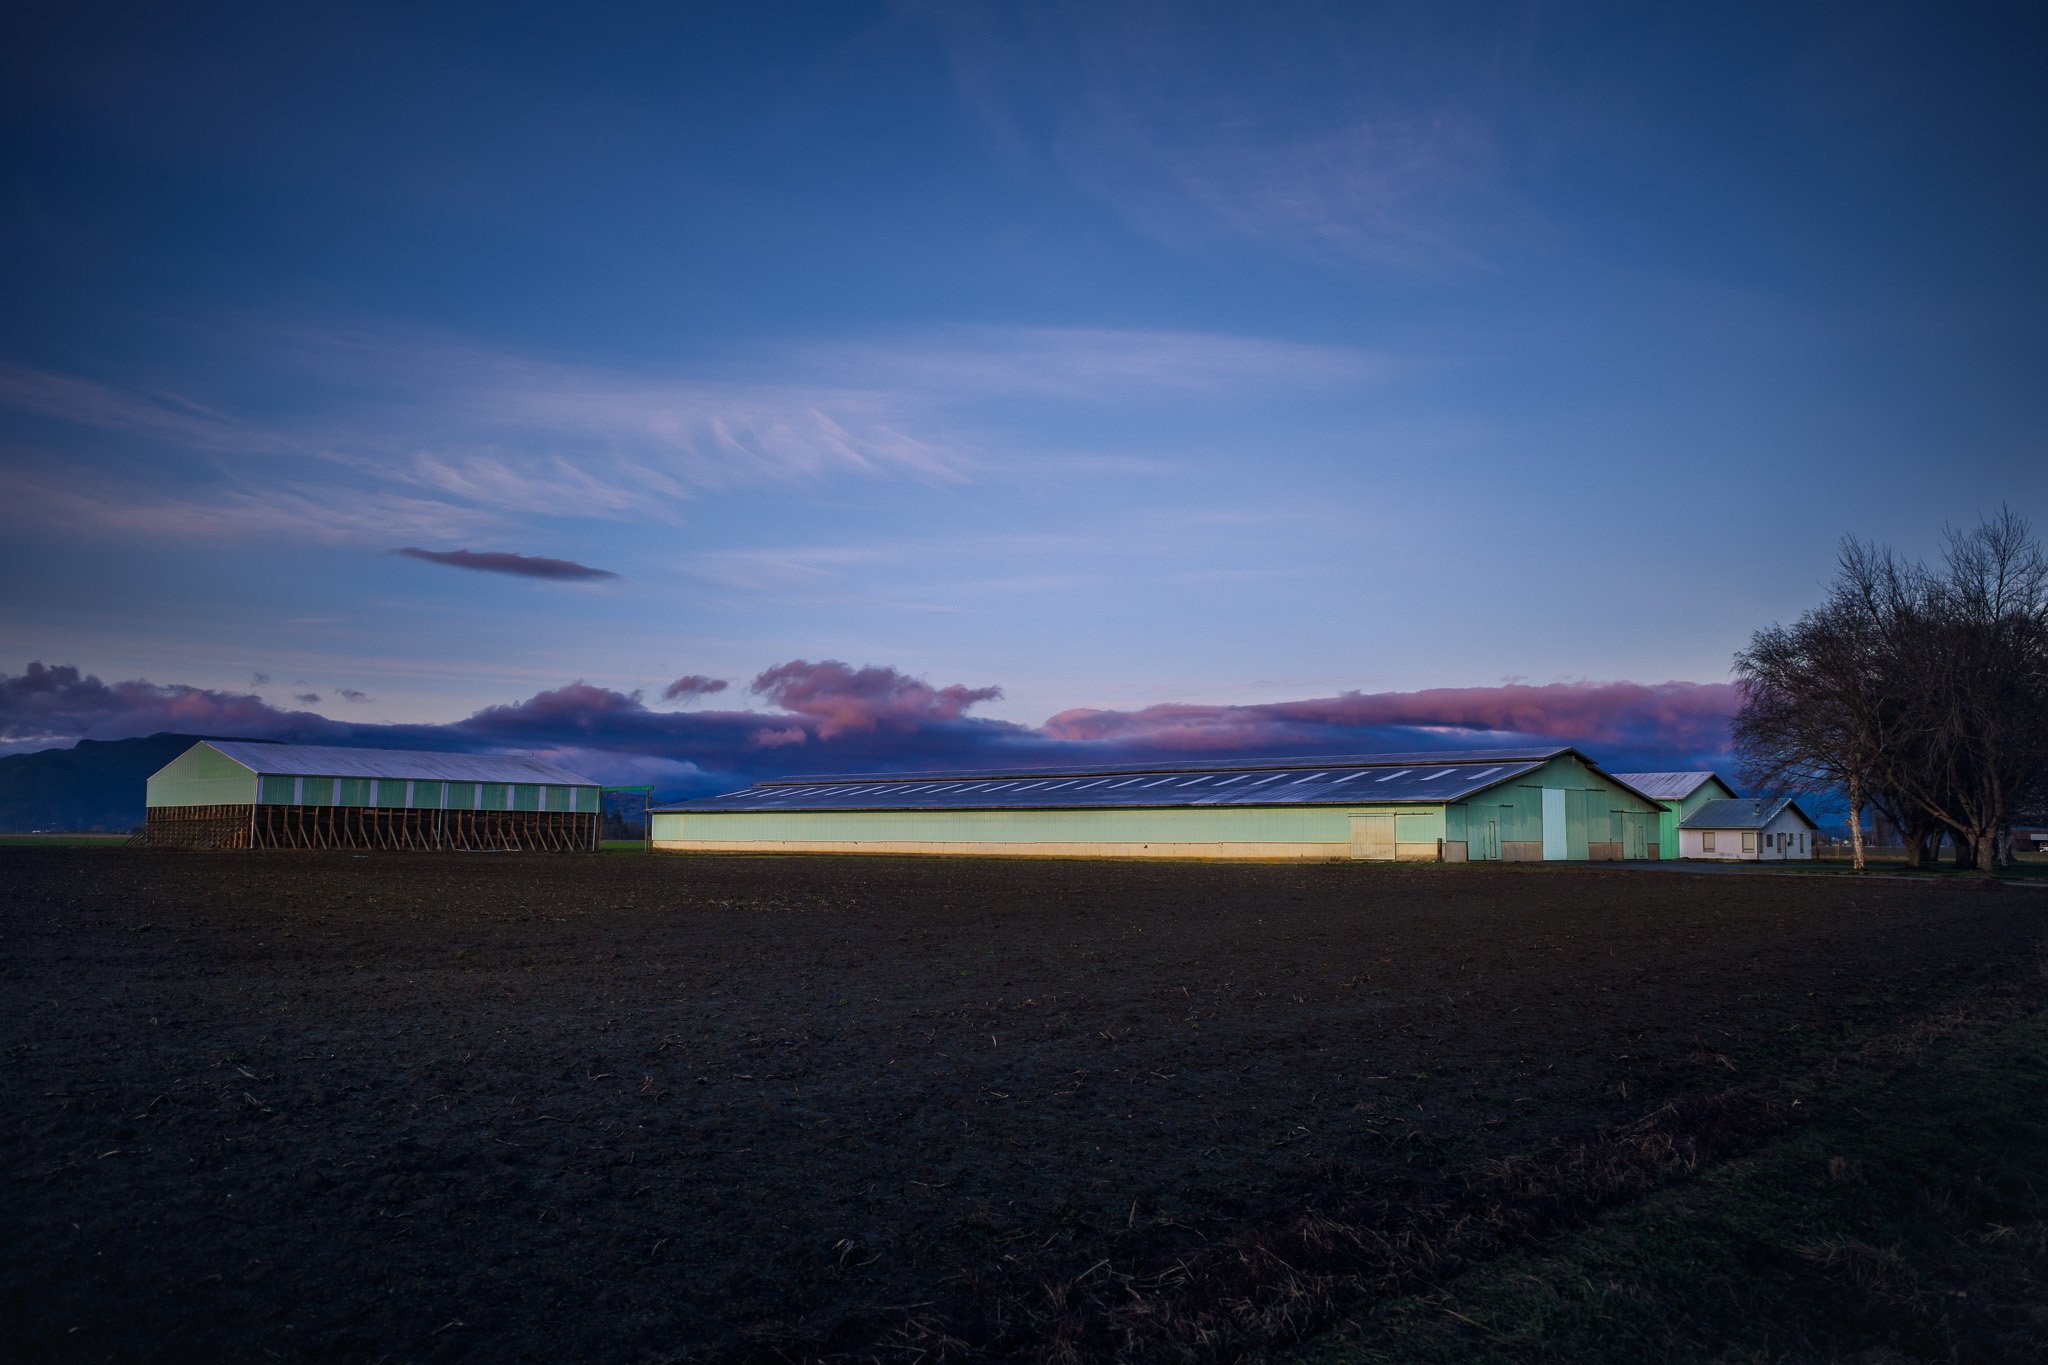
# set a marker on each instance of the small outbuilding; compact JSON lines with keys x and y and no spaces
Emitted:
{"x":1756,"y":829}
{"x":226,"y":793}
{"x":1680,"y":794}
{"x":1548,"y":804}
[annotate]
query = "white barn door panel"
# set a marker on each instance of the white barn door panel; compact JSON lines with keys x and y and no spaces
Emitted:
{"x":1554,"y":847}
{"x":1372,"y":837}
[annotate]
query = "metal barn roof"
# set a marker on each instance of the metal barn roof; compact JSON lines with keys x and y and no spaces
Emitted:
{"x":1742,"y":813}
{"x":1266,"y":763}
{"x":1669,"y":786}
{"x":321,"y":760}
{"x":1348,"y":780}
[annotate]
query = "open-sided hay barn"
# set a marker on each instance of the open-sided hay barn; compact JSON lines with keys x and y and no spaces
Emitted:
{"x":243,"y":794}
{"x":1505,"y":804}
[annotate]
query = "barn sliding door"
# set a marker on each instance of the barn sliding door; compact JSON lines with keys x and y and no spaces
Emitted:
{"x":1372,"y":837}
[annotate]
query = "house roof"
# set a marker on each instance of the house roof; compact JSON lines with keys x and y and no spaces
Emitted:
{"x":1743,"y":813}
{"x":320,"y":760}
{"x":1347,"y":780}
{"x":1670,"y":786}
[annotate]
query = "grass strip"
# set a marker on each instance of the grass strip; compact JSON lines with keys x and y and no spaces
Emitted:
{"x":1903,"y":1222}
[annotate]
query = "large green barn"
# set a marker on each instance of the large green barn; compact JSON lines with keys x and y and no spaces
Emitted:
{"x":1488,"y":804}
{"x":224,"y":793}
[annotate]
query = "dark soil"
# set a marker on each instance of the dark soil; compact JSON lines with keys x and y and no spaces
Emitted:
{"x":499,"y":1108}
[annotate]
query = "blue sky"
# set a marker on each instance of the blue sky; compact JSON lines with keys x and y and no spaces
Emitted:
{"x":1109,"y":355}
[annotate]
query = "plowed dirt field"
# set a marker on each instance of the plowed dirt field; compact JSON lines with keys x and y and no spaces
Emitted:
{"x":649,"y":1107}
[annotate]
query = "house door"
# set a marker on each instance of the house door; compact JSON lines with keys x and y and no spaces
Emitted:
{"x":1372,"y":837}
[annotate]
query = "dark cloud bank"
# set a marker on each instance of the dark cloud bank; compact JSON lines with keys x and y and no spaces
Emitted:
{"x":504,"y":561}
{"x":830,"y":717}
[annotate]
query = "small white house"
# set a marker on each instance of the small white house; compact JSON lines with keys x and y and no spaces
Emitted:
{"x":1761,"y":830}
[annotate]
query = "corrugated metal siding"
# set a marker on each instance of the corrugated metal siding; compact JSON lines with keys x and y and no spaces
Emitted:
{"x":319,"y":760}
{"x":1306,"y":824}
{"x":200,"y":777}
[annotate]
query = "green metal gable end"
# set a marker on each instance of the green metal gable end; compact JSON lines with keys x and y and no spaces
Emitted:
{"x":1596,"y":808}
{"x":201,"y":776}
{"x":1713,"y":789}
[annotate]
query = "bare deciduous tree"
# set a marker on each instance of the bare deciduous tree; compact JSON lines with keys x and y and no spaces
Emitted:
{"x":1921,"y":692}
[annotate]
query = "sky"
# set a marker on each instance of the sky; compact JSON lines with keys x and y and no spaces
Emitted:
{"x":704,"y":391}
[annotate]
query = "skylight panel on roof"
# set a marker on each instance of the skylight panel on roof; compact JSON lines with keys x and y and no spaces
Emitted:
{"x":1310,"y":778}
{"x":1391,"y":776}
{"x":1434,"y":776}
{"x":1194,"y":781}
{"x":1161,"y":782}
{"x":1068,"y":783}
{"x":1228,"y":780}
{"x":1264,"y":780}
{"x":1487,"y":773}
{"x":1346,"y":778}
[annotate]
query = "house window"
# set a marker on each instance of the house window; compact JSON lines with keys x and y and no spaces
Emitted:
{"x":1706,"y":841}
{"x":1748,"y":842}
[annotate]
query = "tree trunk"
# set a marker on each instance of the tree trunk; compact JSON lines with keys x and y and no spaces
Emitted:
{"x":1856,"y":824}
{"x":1986,"y":856}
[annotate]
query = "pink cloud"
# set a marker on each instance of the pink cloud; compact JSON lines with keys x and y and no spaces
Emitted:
{"x":58,"y":703}
{"x":1692,"y":716}
{"x":830,"y":717}
{"x":837,"y":699}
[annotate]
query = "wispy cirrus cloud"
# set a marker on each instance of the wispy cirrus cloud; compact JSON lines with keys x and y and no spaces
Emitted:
{"x":403,"y":435}
{"x":509,"y":562}
{"x":1354,"y":134}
